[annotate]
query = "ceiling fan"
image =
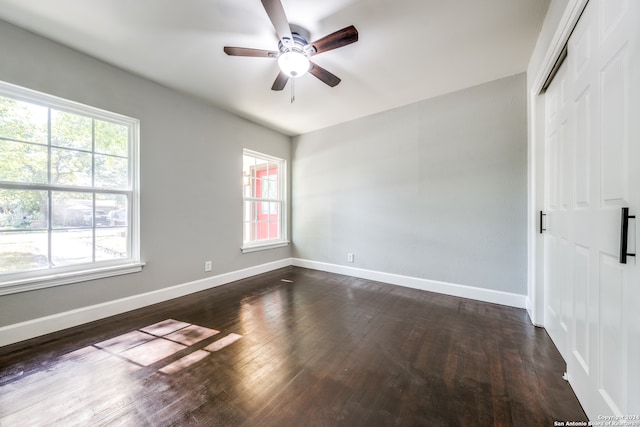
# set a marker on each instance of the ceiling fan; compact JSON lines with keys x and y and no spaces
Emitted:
{"x":294,"y":50}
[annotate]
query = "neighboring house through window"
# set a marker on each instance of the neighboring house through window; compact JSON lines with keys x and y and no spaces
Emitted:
{"x":68,"y":191}
{"x":264,"y":190}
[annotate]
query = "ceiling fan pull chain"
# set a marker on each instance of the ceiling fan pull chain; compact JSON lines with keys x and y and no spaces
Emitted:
{"x":293,"y":90}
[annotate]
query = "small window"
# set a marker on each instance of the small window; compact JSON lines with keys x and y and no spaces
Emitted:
{"x":68,"y":191}
{"x":264,"y":190}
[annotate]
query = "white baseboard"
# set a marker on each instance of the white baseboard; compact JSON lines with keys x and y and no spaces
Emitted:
{"x":532,"y":313}
{"x":44,"y":325}
{"x":479,"y":294}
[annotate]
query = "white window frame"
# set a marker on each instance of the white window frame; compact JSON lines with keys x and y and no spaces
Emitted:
{"x":253,"y":246}
{"x":38,"y":279}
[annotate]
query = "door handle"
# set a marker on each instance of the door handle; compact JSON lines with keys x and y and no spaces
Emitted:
{"x":624,"y":235}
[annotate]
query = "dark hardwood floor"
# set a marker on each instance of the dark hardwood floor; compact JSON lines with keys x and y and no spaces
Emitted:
{"x":293,"y":347}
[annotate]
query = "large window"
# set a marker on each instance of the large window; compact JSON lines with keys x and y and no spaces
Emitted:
{"x":68,"y":191}
{"x":264,"y":192}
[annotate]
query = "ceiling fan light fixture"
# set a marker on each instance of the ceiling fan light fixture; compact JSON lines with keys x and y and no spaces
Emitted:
{"x":294,"y":64}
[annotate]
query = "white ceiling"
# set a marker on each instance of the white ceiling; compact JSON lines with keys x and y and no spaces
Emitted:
{"x":408,"y":50}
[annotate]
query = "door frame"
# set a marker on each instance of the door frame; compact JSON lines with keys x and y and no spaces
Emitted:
{"x":536,"y":160}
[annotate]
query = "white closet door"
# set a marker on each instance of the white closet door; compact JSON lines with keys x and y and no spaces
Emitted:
{"x":557,"y":235}
{"x":592,"y":301}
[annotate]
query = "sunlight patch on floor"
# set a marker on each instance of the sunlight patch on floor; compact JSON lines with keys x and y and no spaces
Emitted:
{"x":154,"y":343}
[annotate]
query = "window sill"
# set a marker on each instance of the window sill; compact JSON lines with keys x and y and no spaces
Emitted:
{"x":58,"y":279}
{"x":263,"y":247}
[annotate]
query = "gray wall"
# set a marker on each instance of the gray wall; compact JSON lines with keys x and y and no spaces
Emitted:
{"x":191,"y":162}
{"x":434,"y":190}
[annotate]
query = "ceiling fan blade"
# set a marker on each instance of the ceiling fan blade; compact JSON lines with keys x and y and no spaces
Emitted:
{"x":335,"y":40}
{"x":281,"y":81}
{"x":324,"y":75}
{"x":246,"y":51}
{"x":278,"y":18}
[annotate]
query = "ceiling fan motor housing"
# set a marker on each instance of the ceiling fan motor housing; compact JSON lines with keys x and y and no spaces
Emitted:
{"x":298,"y":44}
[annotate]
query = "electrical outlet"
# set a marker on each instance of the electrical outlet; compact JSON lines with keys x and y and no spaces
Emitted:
{"x":350,"y":257}
{"x":207,"y":266}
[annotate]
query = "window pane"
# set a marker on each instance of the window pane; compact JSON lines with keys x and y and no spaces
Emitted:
{"x":111,"y":172}
{"x":255,"y":188}
{"x":262,"y":221}
{"x":111,"y":243}
{"x":71,"y":210}
{"x":23,"y":210}
{"x":248,"y":175}
{"x":71,"y":247}
{"x":23,"y":121}
{"x":119,"y":217}
{"x":270,"y":221}
{"x":71,"y":130}
{"x":25,"y":250}
{"x":111,"y":138}
{"x":115,"y":207}
{"x":258,"y":211}
{"x":24,"y":163}
{"x":247,"y":162}
{"x":70,"y":167}
{"x":247,"y":189}
{"x":269,"y":188}
{"x":249,"y":211}
{"x":274,"y":211}
{"x":250,"y":217}
{"x":267,"y":210}
{"x":249,"y":165}
{"x":272,"y":168}
{"x":254,"y":232}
